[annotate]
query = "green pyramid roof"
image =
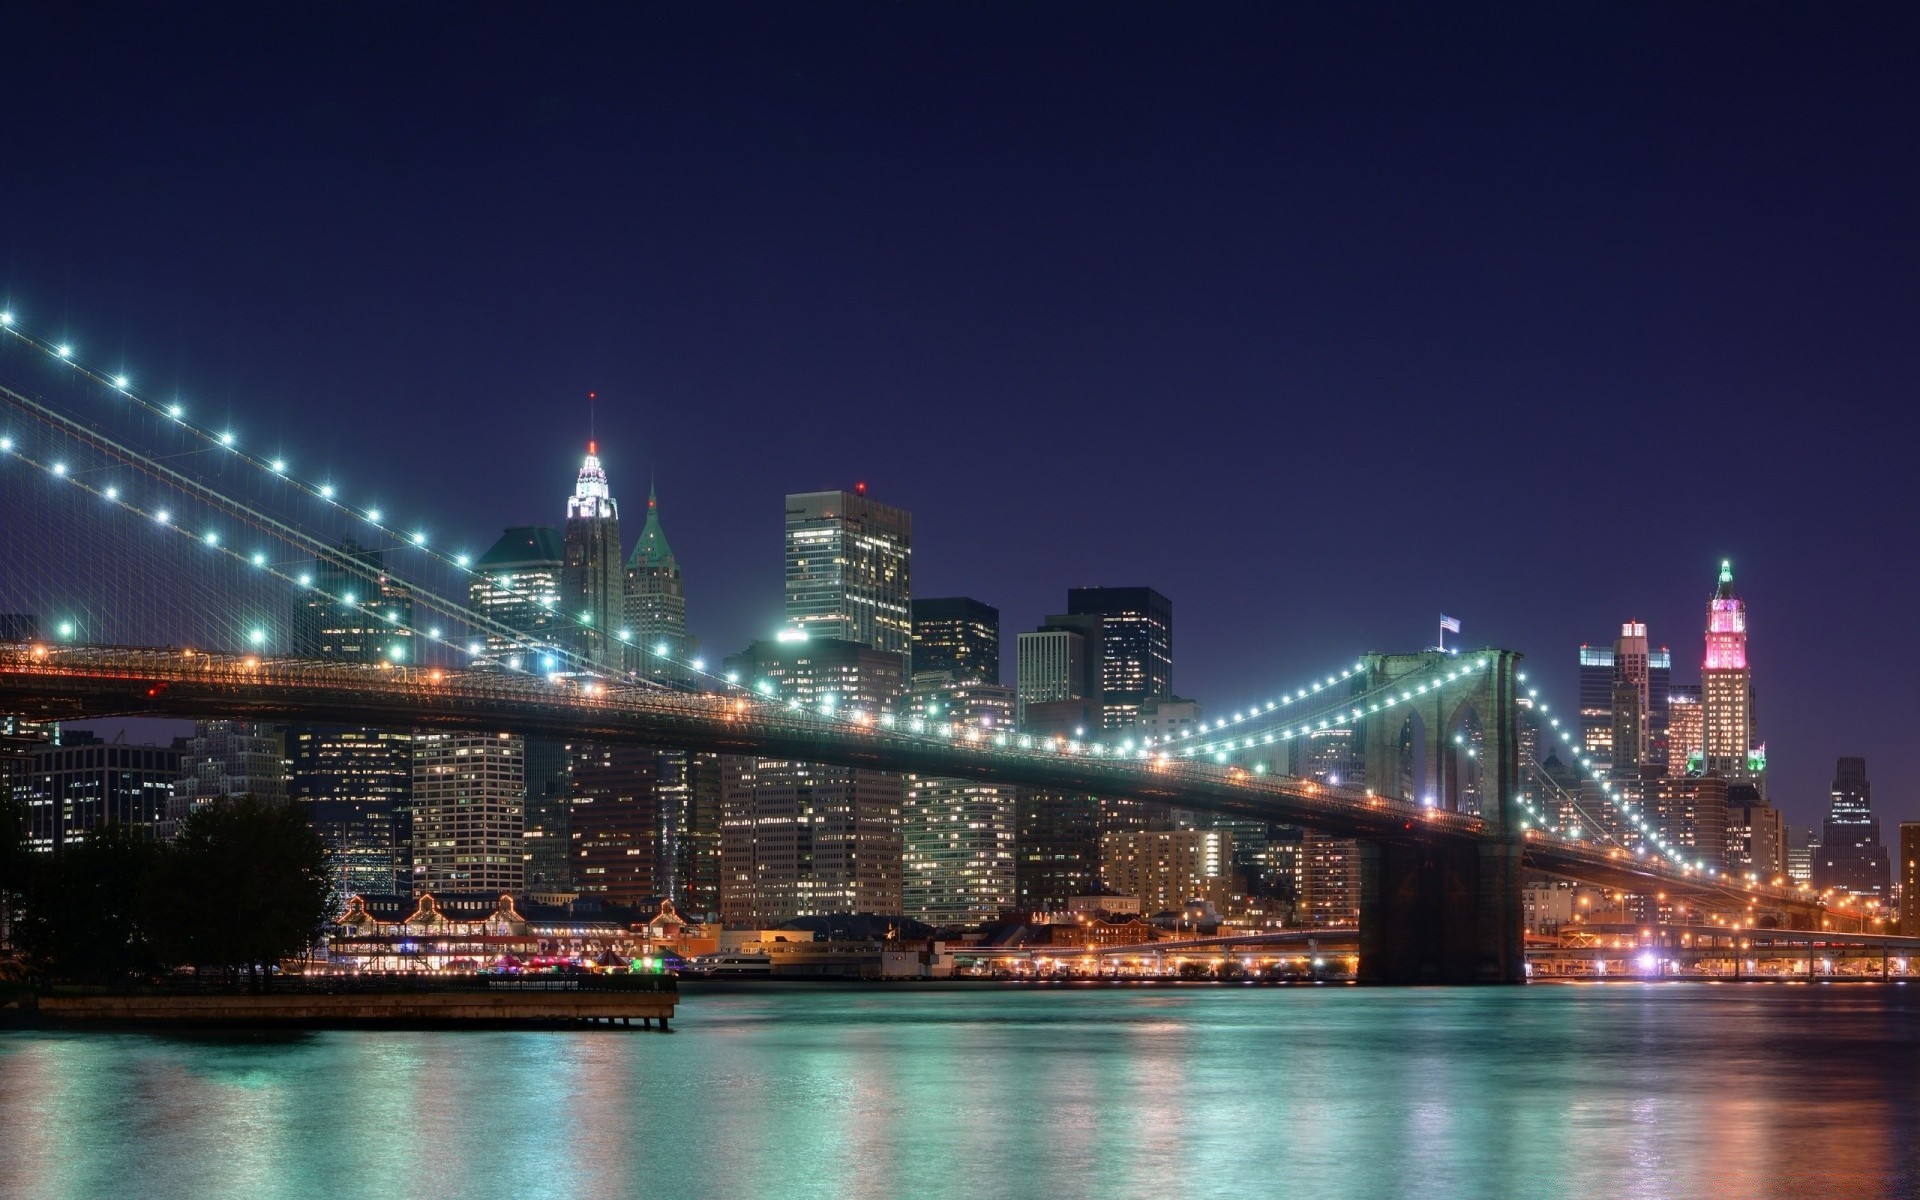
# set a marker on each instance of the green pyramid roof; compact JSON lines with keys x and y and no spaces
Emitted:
{"x":652,"y":549}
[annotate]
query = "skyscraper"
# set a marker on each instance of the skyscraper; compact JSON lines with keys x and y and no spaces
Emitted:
{"x":958,"y":635}
{"x":849,"y":574}
{"x":617,"y":827}
{"x":1726,"y":687}
{"x":656,"y":603}
{"x":224,"y":759}
{"x":804,"y":839}
{"x":1686,"y":731}
{"x":957,"y":834}
{"x":468,"y":792}
{"x":592,"y":587}
{"x":1050,"y":666}
{"x":546,"y":824}
{"x":1136,"y":647}
{"x":356,"y":612}
{"x":1851,"y":859}
{"x":517,"y":585}
{"x":1624,"y":695}
{"x":1910,"y":879}
{"x":356,"y":786}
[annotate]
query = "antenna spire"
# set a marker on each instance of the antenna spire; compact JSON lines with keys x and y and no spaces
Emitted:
{"x":593,"y":442}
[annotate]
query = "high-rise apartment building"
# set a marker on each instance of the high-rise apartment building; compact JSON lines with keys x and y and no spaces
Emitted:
{"x":468,"y":793}
{"x":1329,"y":887}
{"x":1692,"y":815}
{"x":804,"y":839}
{"x":1167,"y":868}
{"x":72,"y":785}
{"x":690,"y":791}
{"x":356,"y":612}
{"x":1135,"y":647}
{"x":957,"y":834}
{"x":1624,"y":697}
{"x":1726,"y":688}
{"x":849,"y":569}
{"x":224,"y":759}
{"x":959,"y":635}
{"x":593,"y":589}
{"x":1851,"y":859}
{"x":656,"y":604}
{"x":517,"y":585}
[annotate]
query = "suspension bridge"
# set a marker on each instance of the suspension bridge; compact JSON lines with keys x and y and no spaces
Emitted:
{"x":167,"y":561}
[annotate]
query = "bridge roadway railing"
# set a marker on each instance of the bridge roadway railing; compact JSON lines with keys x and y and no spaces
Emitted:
{"x":193,"y":683}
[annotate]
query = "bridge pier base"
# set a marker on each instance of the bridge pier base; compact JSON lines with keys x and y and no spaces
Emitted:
{"x":1441,"y":914}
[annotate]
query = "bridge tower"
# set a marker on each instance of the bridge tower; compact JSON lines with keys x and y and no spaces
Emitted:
{"x":1432,"y":913}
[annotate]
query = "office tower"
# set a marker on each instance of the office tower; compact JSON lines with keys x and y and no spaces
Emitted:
{"x":1686,"y":731}
{"x":1756,"y":834}
{"x":618,"y":829}
{"x":546,"y":824}
{"x":656,"y":604}
{"x":356,"y":612}
{"x":690,"y":790}
{"x":958,"y":635}
{"x":1631,"y":697}
{"x":804,"y":839}
{"x":957,"y":835}
{"x":1851,"y":859}
{"x":1329,"y":890}
{"x":1910,"y":879}
{"x":356,"y":786}
{"x":79,"y":782}
{"x":1802,"y":841}
{"x":1135,"y":647}
{"x":468,"y":793}
{"x":516,"y":587}
{"x":1726,"y":687}
{"x":224,"y":759}
{"x":1596,"y":702}
{"x":593,"y":589}
{"x":1166,"y":869}
{"x":1692,"y":815}
{"x":1624,"y":696}
{"x":1050,"y":666}
{"x":849,"y":569}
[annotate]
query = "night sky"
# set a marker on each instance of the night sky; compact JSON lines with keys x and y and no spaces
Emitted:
{"x":1321,"y":320}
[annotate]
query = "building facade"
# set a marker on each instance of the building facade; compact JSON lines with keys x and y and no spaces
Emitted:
{"x":849,"y":569}
{"x":593,"y":588}
{"x":656,"y":601}
{"x":1729,"y":748}
{"x":469,"y":790}
{"x":958,"y":635}
{"x":618,"y":827}
{"x":80,"y":782}
{"x":516,"y":588}
{"x":1851,"y":859}
{"x":1165,"y":869}
{"x":356,"y":786}
{"x":1136,"y":647}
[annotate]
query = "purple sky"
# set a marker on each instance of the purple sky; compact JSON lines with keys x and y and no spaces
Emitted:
{"x":1323,"y":320}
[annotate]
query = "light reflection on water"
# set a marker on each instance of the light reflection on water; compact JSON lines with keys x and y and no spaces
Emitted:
{"x":1629,"y":1091}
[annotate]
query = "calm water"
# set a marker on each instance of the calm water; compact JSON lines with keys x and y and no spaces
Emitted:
{"x":1677,"y":1090}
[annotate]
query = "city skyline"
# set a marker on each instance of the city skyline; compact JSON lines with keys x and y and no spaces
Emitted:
{"x":1227,"y":401}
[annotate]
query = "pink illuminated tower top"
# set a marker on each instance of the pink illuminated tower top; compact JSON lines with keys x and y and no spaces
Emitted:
{"x":1726,"y":626}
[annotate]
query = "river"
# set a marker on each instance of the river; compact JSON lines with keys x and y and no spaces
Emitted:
{"x":1623,"y":1090}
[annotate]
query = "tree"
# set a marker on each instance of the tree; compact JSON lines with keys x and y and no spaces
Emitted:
{"x":246,"y":883}
{"x":80,"y":916}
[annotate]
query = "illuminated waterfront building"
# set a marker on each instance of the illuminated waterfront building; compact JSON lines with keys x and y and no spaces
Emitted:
{"x":1851,"y":859}
{"x":356,"y":786}
{"x":656,"y":600}
{"x":468,"y":793}
{"x":592,"y":587}
{"x":617,"y":826}
{"x":516,"y":584}
{"x":849,"y":569}
{"x":1165,"y":869}
{"x":1726,"y":689}
{"x":959,"y":635}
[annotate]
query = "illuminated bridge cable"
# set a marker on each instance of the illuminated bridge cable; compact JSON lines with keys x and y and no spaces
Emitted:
{"x":414,"y":538}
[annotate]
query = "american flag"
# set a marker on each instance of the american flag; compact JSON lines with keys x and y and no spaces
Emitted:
{"x":1450,"y":624}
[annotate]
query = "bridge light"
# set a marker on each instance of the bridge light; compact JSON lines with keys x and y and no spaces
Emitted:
{"x":226,"y":438}
{"x":278,"y":466}
{"x":661,"y":649}
{"x":733,"y":677}
{"x":6,"y":444}
{"x":326,"y":491}
{"x":259,"y":559}
{"x":306,"y":580}
{"x":63,"y":350}
{"x":66,"y":629}
{"x":461,"y":560}
{"x":586,"y":618}
{"x":110,"y":492}
{"x":514,"y":662}
{"x":120,"y":381}
{"x":60,"y":469}
{"x":392,"y":616}
{"x":212,"y":537}
{"x":373,"y":515}
{"x":396,"y":653}
{"x":475,"y":648}
{"x":434,"y":633}
{"x":346,"y":598}
{"x":764,"y":687}
{"x":258,"y":637}
{"x":176,"y":411}
{"x":6,"y":318}
{"x":625,"y":635}
{"x":699,"y":664}
{"x":419,"y":538}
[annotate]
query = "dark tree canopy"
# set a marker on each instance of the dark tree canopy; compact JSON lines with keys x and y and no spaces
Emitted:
{"x":82,"y":918}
